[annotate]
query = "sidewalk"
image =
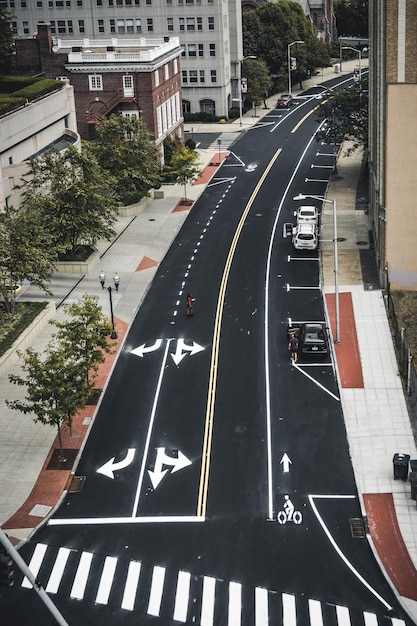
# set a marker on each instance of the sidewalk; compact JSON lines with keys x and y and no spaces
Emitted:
{"x":372,"y":398}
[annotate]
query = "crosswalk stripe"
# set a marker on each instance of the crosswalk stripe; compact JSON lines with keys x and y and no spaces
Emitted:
{"x":289,"y":617}
{"x":370,"y":619}
{"x":182,"y":596}
{"x":316,"y":616}
{"x":155,"y":597}
{"x":58,"y":570}
{"x":261,"y":607}
{"x":235,"y":604}
{"x":106,"y":580}
{"x":131,"y":586}
{"x":81,"y":576}
{"x":35,"y":563}
{"x":397,"y":622}
{"x":343,"y":616}
{"x":207,"y":604}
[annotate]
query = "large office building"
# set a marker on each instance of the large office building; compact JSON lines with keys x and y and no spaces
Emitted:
{"x":392,"y":139}
{"x":209,"y":31}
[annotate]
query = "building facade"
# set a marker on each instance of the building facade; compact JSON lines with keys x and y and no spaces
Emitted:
{"x":132,"y":77}
{"x":30,"y":130}
{"x":210,"y":33}
{"x":392,"y":139}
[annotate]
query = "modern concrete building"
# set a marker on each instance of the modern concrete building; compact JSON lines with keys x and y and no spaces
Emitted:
{"x":393,"y":139}
{"x":30,"y":130}
{"x":210,"y":32}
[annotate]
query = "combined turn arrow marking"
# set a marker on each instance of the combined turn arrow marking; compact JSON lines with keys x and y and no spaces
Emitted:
{"x":286,"y":462}
{"x":143,"y":349}
{"x":110,"y":467}
{"x":183,"y":348}
{"x":177,"y":463}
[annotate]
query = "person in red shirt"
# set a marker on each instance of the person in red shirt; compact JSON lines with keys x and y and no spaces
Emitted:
{"x":190,"y":300}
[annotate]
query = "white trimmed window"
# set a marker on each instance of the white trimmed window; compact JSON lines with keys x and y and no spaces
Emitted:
{"x":95,"y":82}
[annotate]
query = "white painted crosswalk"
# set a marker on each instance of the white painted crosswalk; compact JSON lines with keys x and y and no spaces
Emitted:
{"x":181,"y":596}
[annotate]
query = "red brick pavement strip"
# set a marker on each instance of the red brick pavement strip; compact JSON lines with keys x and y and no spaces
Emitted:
{"x":51,"y":483}
{"x":208,"y":171}
{"x":347,"y":351}
{"x":388,"y":541}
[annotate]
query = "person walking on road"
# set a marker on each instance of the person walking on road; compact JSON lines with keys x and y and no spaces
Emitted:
{"x":116,"y":280}
{"x":293,"y":347}
{"x":102,"y":278}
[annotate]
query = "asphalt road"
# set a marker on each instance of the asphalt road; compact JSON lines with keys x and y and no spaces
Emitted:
{"x":231,"y":492}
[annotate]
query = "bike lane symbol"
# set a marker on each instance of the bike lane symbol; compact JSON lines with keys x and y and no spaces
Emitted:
{"x":289,"y":514}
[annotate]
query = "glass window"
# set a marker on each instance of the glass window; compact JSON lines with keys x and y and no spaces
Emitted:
{"x":184,"y":76}
{"x":112,"y":26}
{"x":148,"y":1}
{"x":169,"y":2}
{"x":70,"y":27}
{"x":170,"y":24}
{"x":149,"y":24}
{"x":193,"y":76}
{"x":138,"y":25}
{"x":190,"y":23}
{"x":95,"y":82}
{"x":210,"y":23}
{"x":120,"y":26}
{"x":199,"y":23}
{"x":100,"y":24}
{"x":79,"y":3}
{"x":25,"y":26}
{"x":61,"y":27}
{"x":53,"y":29}
{"x":212,"y":48}
{"x":181,"y":23}
{"x":99,"y":3}
{"x":130,"y":26}
{"x":202,"y":76}
{"x":192,"y":50}
{"x":39,"y":4}
{"x":213,"y":76}
{"x":81,"y":26}
{"x":200,"y":49}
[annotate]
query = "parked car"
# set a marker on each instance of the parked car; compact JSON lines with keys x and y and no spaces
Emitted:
{"x":313,"y":339}
{"x":305,"y":237}
{"x":307,"y":215}
{"x":285,"y":100}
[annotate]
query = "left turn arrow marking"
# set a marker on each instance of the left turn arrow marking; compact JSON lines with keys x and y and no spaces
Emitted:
{"x":143,"y":349}
{"x":110,"y":467}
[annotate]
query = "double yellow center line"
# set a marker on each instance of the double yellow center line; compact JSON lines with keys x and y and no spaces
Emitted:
{"x":211,"y":395}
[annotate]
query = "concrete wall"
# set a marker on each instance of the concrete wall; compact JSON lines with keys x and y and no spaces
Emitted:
{"x":401,"y":186}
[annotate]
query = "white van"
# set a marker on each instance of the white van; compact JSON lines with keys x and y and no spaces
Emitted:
{"x":307,"y":215}
{"x":305,"y":237}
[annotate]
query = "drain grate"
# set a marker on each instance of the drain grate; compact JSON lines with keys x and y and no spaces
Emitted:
{"x":76,"y":484}
{"x":358,"y":527}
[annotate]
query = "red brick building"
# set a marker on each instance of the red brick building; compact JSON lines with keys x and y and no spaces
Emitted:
{"x":133,"y":77}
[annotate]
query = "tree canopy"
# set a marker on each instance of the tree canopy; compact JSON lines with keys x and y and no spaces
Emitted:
{"x":73,"y":196}
{"x":267,"y":33}
{"x":259,"y":80}
{"x":351,"y":17}
{"x":125,"y":149}
{"x":7,"y":45}
{"x":184,"y":166}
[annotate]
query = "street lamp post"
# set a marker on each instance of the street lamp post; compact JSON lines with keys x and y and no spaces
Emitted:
{"x":359,"y":51}
{"x":336,"y":258}
{"x":250,"y":56}
{"x":289,"y":62}
{"x":113,"y":333}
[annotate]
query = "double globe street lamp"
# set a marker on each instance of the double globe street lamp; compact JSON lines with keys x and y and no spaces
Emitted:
{"x":336,"y":259}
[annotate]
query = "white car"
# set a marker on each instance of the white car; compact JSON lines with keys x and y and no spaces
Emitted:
{"x":307,"y":215}
{"x":305,"y":237}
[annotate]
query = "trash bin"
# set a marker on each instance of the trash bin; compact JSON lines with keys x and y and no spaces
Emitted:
{"x":400,"y":462}
{"x":413,"y":483}
{"x":336,"y":68}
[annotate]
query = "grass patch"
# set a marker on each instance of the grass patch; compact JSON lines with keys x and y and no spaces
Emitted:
{"x":12,"y":326}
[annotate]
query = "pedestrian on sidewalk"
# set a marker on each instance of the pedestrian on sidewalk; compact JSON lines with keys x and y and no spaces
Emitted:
{"x":293,"y":347}
{"x":116,"y":280}
{"x":102,"y":278}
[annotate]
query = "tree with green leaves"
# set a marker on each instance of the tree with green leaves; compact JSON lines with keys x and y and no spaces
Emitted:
{"x":85,"y":334}
{"x":346,"y":113}
{"x":267,"y":33}
{"x":56,"y":388}
{"x":73,"y":195}
{"x":27,"y":252}
{"x":351,"y":17}
{"x":184,"y":166}
{"x":259,"y":80}
{"x":7,"y":45}
{"x":126,"y":150}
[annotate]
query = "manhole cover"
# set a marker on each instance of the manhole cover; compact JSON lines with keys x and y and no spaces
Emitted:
{"x":358,"y":527}
{"x":341,"y":239}
{"x":240,"y":429}
{"x":361,"y":243}
{"x":58,"y":463}
{"x":76,"y":484}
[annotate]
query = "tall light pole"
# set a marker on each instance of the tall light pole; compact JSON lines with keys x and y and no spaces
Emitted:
{"x":359,"y":51}
{"x":289,"y":62}
{"x":336,"y":259}
{"x":251,"y":56}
